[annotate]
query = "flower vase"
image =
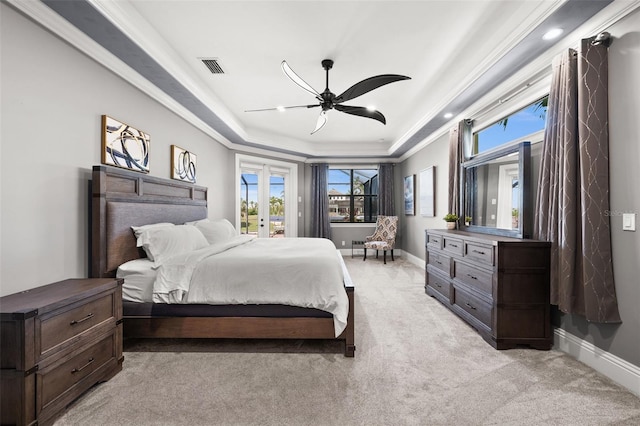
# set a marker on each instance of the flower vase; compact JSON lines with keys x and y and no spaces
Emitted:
{"x":451,"y":225}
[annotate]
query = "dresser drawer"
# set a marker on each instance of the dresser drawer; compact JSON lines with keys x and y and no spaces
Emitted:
{"x":479,"y":252}
{"x":453,"y":245}
{"x":61,"y":325}
{"x":439,"y":284}
{"x":473,"y":277}
{"x":472,"y":305}
{"x":439,"y":261}
{"x":434,"y":241}
{"x":60,"y":383}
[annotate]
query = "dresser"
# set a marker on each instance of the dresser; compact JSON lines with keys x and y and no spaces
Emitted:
{"x":57,"y":341}
{"x":499,"y":285}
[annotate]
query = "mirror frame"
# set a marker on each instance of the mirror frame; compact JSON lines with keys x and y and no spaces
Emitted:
{"x":525,"y":204}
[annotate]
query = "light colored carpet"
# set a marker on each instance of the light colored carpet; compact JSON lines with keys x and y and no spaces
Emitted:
{"x":416,"y":363}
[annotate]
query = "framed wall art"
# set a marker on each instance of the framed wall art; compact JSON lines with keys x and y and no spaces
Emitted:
{"x":409,"y":195}
{"x":183,"y":164}
{"x":124,"y":146}
{"x":428,"y":192}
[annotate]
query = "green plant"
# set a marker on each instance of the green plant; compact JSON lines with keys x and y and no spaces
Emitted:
{"x":468,"y":219}
{"x":451,"y":217}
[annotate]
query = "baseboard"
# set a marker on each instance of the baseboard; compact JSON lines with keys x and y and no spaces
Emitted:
{"x":360,"y":252}
{"x":414,"y":259}
{"x":620,"y":371}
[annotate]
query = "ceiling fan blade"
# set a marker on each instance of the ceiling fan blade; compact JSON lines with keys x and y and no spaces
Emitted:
{"x":297,"y":80}
{"x":282,"y":108}
{"x":322,"y":120}
{"x":362,"y":112}
{"x":368,"y":85}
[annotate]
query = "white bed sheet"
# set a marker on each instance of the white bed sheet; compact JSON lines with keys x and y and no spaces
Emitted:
{"x":139,"y":276}
{"x":304,"y":272}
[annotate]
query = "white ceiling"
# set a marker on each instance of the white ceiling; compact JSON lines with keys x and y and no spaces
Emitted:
{"x":454,"y":51}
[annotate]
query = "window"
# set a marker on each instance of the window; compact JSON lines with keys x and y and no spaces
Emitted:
{"x":515,"y":127}
{"x":353,"y":195}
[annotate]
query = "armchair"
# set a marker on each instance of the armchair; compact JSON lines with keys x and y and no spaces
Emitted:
{"x":383,"y":238}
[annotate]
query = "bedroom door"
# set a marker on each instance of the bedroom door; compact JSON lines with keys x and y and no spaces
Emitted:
{"x":265,"y":191}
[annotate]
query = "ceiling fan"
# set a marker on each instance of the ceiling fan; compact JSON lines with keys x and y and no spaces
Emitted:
{"x":328,"y":100}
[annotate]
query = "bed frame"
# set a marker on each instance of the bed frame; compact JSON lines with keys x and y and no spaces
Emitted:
{"x":121,"y":199}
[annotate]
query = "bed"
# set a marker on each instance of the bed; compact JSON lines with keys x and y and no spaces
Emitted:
{"x":122,"y":199}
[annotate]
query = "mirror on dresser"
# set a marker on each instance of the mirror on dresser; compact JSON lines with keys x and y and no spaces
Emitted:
{"x":495,"y":192}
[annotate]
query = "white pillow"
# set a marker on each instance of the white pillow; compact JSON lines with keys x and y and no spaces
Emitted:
{"x":137,"y":230}
{"x":162,"y":242}
{"x":215,"y":231}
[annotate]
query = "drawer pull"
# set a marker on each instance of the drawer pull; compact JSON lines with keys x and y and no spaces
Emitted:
{"x":472,"y":277}
{"x":74,"y":322}
{"x":438,"y":285}
{"x":453,"y":245}
{"x":438,"y":262}
{"x":77,"y":370}
{"x":478,"y":251}
{"x":469,"y":305}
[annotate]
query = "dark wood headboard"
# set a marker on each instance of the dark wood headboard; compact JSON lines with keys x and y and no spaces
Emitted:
{"x":121,"y":199}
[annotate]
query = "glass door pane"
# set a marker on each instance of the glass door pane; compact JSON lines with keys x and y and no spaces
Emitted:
{"x":276,"y":207}
{"x":249,"y":203}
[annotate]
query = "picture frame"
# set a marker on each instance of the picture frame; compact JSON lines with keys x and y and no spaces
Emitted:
{"x":124,"y":146}
{"x":428,"y":192}
{"x":409,"y":195}
{"x":183,"y":164}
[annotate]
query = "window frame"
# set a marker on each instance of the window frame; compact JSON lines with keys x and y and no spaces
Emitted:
{"x":368,"y":198}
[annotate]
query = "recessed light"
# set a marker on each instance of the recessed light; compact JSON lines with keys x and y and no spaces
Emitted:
{"x":552,"y":33}
{"x":448,"y":115}
{"x":371,"y":108}
{"x":280,"y":108}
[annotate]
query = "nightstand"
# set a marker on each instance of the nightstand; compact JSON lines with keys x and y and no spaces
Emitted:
{"x":58,"y":340}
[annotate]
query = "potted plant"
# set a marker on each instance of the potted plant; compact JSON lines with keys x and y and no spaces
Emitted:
{"x":467,"y":220}
{"x":451,"y":220}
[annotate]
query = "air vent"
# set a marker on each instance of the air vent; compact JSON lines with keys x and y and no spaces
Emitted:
{"x":213,"y":65}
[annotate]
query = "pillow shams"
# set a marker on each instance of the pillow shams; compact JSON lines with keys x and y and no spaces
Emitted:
{"x":215,"y":231}
{"x":137,"y":230}
{"x":162,"y":242}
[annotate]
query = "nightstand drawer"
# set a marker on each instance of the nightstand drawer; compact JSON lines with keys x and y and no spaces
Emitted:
{"x":60,"y":383}
{"x":473,"y":277}
{"x":61,"y":325}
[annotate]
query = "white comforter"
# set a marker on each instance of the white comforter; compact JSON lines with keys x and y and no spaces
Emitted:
{"x":303,"y":272}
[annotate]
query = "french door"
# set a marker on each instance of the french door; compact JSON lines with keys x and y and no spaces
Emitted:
{"x":266,"y":190}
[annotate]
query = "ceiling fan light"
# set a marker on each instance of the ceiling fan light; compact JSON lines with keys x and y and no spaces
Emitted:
{"x":448,"y":115}
{"x":371,"y":108}
{"x":280,"y":108}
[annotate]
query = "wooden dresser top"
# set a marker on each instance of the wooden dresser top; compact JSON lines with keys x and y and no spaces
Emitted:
{"x":53,"y":296}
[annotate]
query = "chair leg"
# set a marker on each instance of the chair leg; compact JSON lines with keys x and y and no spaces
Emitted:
{"x":384,"y":256}
{"x":392,"y":256}
{"x":365,"y":255}
{"x":376,"y":253}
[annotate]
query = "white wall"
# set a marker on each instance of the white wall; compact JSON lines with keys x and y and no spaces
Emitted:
{"x":435,"y":154}
{"x":52,"y":100}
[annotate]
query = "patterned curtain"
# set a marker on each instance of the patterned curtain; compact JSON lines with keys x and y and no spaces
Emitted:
{"x":320,"y":225}
{"x":385,"y":190}
{"x":573,"y":186}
